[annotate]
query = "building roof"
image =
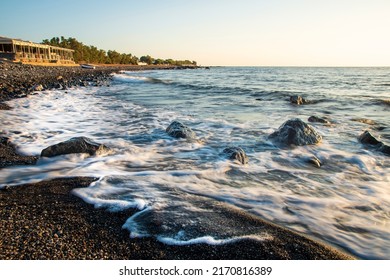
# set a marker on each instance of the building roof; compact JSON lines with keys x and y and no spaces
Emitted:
{"x":6,"y":40}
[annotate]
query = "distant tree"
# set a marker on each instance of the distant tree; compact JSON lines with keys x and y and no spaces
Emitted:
{"x":147,"y":59}
{"x":169,"y":61}
{"x":159,"y":61}
{"x":92,"y":54}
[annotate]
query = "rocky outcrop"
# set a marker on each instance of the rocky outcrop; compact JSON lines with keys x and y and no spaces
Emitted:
{"x":298,"y":100}
{"x":296,"y":132}
{"x":178,"y":130}
{"x":236,"y":153}
{"x":75,"y":145}
{"x":318,"y":120}
{"x":368,"y":139}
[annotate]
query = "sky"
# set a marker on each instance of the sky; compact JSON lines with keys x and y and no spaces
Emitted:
{"x":215,"y":32}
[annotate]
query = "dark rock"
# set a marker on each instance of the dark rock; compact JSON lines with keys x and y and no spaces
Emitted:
{"x":318,"y":120}
{"x":178,"y":130}
{"x":296,"y":132}
{"x":236,"y":153}
{"x":367,"y":138}
{"x":4,"y":140}
{"x":297,"y":99}
{"x":74,"y":146}
{"x":384,"y":149}
{"x":380,"y":128}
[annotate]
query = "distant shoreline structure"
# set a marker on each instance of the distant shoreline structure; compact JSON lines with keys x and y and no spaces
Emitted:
{"x":17,"y":50}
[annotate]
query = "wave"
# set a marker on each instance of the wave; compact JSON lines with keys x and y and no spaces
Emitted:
{"x":125,"y":78}
{"x":210,"y":240}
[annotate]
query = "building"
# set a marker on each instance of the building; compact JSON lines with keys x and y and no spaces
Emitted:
{"x":27,"y":52}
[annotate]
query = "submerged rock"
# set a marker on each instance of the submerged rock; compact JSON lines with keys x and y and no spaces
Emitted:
{"x":365,"y":121}
{"x":297,"y":99}
{"x":236,"y":153}
{"x":178,"y":130}
{"x":296,"y":132}
{"x":75,"y":145}
{"x":368,"y":139}
{"x":318,"y":120}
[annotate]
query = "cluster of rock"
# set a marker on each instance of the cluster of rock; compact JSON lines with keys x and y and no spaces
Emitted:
{"x":18,"y":80}
{"x":178,"y":130}
{"x":292,"y":132}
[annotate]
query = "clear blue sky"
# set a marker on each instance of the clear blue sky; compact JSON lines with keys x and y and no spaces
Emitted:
{"x":215,"y":32}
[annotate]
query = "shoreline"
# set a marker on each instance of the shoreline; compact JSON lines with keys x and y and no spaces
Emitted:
{"x":46,"y":221}
{"x":20,"y":80}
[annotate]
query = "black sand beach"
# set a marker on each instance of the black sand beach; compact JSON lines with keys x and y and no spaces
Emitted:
{"x":45,"y":221}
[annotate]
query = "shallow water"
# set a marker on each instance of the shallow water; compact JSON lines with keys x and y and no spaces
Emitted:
{"x":178,"y":185}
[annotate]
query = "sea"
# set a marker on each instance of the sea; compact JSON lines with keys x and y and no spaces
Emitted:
{"x":176,"y":185}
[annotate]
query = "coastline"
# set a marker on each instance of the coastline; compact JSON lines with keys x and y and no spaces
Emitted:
{"x":45,"y":221}
{"x":20,"y":80}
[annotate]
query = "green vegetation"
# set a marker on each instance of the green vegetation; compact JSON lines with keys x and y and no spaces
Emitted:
{"x":91,"y":54}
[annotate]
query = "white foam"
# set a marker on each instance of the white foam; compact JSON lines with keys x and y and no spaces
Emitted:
{"x":129,"y":78}
{"x":210,"y":240}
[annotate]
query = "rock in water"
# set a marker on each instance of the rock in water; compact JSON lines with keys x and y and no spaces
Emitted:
{"x":297,"y":99}
{"x":318,"y":120}
{"x":296,"y":132}
{"x":75,"y":145}
{"x":236,"y":153}
{"x":178,"y":130}
{"x":367,"y":138}
{"x":384,"y":149}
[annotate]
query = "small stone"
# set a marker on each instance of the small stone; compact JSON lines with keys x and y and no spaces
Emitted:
{"x":318,"y":120}
{"x":178,"y":130}
{"x":236,"y":153}
{"x":298,"y":100}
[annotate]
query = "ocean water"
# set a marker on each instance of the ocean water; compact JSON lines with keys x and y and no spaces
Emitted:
{"x":182,"y":188}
